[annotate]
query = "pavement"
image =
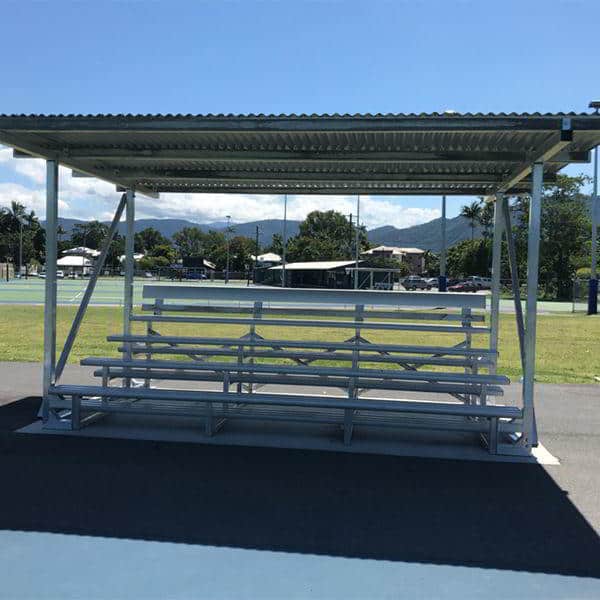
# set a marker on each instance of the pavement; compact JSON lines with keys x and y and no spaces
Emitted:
{"x":195,"y":520}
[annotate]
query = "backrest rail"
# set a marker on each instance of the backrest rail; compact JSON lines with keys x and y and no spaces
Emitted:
{"x":322,"y":312}
{"x":313,"y":323}
{"x":315,"y":296}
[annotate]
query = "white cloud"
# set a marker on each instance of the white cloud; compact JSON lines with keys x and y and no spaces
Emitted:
{"x":94,"y":199}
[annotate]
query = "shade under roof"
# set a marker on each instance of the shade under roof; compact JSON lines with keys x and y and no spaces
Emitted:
{"x":399,"y":154}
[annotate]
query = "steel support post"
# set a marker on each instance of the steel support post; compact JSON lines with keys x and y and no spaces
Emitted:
{"x":593,"y":284}
{"x":533,"y":259}
{"x":442,"y":280}
{"x":357,"y":243}
{"x":496,"y":266}
{"x":284,"y":242}
{"x":129,"y":268}
{"x":514,"y":276}
{"x":50,"y":283}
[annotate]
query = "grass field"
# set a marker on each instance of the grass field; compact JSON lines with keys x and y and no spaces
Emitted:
{"x":567,"y":344}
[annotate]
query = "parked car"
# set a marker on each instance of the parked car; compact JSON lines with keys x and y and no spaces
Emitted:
{"x":464,"y":286}
{"x":433,"y":281}
{"x":60,"y":274}
{"x":383,"y":285}
{"x":414,"y":282}
{"x":482,"y":283}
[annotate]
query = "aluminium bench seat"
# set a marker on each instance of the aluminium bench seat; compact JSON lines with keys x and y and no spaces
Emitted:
{"x":205,"y":346}
{"x":362,"y":411}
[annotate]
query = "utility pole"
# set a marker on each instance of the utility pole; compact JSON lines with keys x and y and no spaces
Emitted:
{"x":283,"y":259}
{"x":442,"y":287}
{"x":357,"y":242}
{"x":228,"y":217}
{"x":593,"y":283}
{"x":256,"y":250}
{"x":20,"y":246}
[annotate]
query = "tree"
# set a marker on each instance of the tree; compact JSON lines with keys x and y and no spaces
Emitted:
{"x":165,"y":251}
{"x":432,"y":263}
{"x":190,"y":241}
{"x":470,"y":257}
{"x":564,"y":235}
{"x":240,"y":249}
{"x":276,"y":245}
{"x":325,"y":236}
{"x":90,"y":235}
{"x":486,"y":216}
{"x":20,"y":230}
{"x":472,"y":212}
{"x":147,"y":239}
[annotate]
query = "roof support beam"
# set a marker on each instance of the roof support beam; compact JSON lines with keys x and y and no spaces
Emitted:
{"x":253,"y":177}
{"x":310,"y":156}
{"x":33,"y":150}
{"x":124,"y":124}
{"x":563,"y":139}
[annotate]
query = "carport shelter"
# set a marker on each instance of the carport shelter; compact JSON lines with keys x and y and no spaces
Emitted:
{"x":493,"y":155}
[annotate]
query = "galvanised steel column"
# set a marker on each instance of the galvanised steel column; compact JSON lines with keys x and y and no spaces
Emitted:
{"x":442,"y":281}
{"x":496,"y":265}
{"x":284,"y":242}
{"x":593,"y":284}
{"x":50,"y":283}
{"x":129,"y":268}
{"x":533,"y":259}
{"x":357,"y":243}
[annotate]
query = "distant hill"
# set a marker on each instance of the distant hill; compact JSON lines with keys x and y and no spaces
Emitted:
{"x":168,"y":227}
{"x":426,"y":236}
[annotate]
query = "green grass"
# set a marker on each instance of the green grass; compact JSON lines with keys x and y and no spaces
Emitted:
{"x":567,"y":344}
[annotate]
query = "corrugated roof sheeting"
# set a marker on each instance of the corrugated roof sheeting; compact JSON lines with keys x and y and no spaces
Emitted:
{"x":389,"y":154}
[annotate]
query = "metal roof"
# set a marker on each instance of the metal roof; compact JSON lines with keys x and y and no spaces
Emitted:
{"x":394,"y":250}
{"x":316,"y":265}
{"x":437,"y":153}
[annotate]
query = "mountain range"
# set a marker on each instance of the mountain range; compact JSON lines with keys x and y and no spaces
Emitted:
{"x":425,"y":236}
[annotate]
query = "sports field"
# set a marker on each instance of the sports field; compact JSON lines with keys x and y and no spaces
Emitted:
{"x":109,"y":292}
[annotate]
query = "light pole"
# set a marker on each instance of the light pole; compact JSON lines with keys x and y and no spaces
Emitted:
{"x":228,"y":217}
{"x":593,"y":283}
{"x":284,"y":248}
{"x":357,"y":242}
{"x":442,"y":278}
{"x":20,"y":246}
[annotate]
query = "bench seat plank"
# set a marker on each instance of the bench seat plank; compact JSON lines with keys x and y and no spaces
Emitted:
{"x":270,"y":343}
{"x":310,"y":323}
{"x":404,"y":406}
{"x":366,"y":355}
{"x":306,"y":380}
{"x":481,"y":379}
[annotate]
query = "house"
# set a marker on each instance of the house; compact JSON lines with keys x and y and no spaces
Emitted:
{"x":74,"y":265}
{"x":413,"y":258}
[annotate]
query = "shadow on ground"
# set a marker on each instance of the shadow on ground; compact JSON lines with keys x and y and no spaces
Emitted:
{"x":493,"y":515}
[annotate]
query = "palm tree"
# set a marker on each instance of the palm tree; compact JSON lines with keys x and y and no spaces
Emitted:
{"x":472,"y":213}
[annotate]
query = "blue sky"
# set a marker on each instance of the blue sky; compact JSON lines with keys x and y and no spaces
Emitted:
{"x":272,"y":57}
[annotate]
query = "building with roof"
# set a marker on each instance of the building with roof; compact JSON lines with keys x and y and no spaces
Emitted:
{"x":74,"y":265}
{"x":413,"y":258}
{"x":314,"y":274}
